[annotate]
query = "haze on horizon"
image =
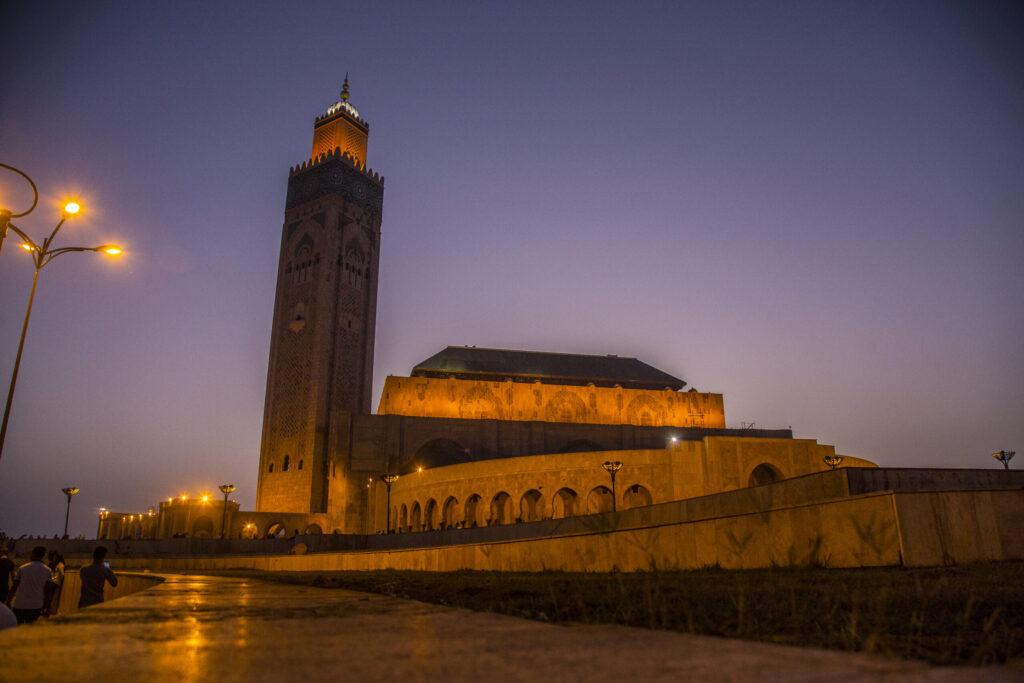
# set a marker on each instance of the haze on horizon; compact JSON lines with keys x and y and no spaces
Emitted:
{"x":814,"y":210}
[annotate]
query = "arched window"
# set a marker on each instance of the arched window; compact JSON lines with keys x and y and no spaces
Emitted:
{"x":286,"y":465}
{"x":565,"y":503}
{"x":271,"y":468}
{"x":403,"y":518}
{"x":531,"y":506}
{"x":764,"y":474}
{"x":313,"y":530}
{"x":599,"y":500}
{"x":636,"y":496}
{"x":300,"y":463}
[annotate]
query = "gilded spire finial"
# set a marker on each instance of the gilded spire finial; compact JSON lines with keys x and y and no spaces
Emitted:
{"x":344,"y":89}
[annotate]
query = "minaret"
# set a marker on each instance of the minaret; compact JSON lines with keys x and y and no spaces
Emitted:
{"x":321,"y":347}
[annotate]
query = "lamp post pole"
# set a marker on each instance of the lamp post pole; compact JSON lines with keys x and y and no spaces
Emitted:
{"x":69,"y":491}
{"x":1004,"y":457}
{"x":388,"y":480}
{"x":226,"y":489}
{"x":42,"y":255}
{"x":6,"y":214}
{"x":613,"y":467}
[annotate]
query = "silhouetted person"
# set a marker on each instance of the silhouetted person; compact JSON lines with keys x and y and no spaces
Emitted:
{"x":56,"y":586}
{"x":93,"y":578}
{"x":6,"y":569}
{"x":28,"y":594}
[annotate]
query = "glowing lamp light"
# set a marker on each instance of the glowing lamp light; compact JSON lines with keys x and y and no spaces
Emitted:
{"x":206,"y":498}
{"x":26,"y":246}
{"x":184,"y":497}
{"x":111,"y":250}
{"x":419,"y":469}
{"x":71,"y":208}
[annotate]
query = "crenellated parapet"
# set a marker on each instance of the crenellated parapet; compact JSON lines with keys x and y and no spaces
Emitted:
{"x":336,"y":172}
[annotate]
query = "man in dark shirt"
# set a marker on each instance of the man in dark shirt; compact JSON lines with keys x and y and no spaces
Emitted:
{"x":6,"y":569}
{"x":93,"y":577}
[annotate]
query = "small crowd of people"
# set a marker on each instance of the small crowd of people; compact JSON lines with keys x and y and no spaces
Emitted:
{"x":33,"y":590}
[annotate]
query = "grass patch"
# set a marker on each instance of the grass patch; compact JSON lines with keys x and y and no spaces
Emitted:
{"x":950,"y":615}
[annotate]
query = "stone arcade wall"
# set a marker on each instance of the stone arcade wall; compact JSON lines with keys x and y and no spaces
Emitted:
{"x":807,"y":520}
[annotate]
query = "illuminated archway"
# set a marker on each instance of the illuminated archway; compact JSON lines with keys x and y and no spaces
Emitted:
{"x":565,"y":503}
{"x":599,"y":500}
{"x":531,"y":506}
{"x":501,"y":509}
{"x":473,"y":512}
{"x":636,"y":496}
{"x":449,"y":513}
{"x":430,"y":518}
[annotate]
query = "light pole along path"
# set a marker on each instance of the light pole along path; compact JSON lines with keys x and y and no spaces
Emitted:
{"x":42,"y":255}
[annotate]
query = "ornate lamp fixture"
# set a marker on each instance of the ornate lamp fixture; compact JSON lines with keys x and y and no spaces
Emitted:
{"x":226,"y":489}
{"x":1004,"y":457}
{"x":69,"y":492}
{"x":613,"y":467}
{"x":833,"y":460}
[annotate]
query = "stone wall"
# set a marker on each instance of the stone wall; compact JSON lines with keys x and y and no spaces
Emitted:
{"x":508,"y":400}
{"x":875,"y":529}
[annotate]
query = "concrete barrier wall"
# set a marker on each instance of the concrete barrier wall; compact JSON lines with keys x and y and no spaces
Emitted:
{"x":877,"y":529}
{"x":127,"y":583}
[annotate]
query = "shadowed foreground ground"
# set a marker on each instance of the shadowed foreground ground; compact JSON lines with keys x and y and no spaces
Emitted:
{"x":947,"y":615}
{"x":234,"y":629}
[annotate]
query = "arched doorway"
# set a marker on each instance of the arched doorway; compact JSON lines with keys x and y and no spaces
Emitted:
{"x":202,"y":528}
{"x":403,"y":519}
{"x":599,"y":500}
{"x":430,"y":519}
{"x":449,"y":513}
{"x":531,"y":507}
{"x":313,"y":530}
{"x":416,"y":517}
{"x":474,"y":513}
{"x":501,"y":509}
{"x":636,"y":496}
{"x":565,"y":503}
{"x":764,"y":474}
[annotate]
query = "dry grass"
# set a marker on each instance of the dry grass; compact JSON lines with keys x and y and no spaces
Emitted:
{"x":966,"y":615}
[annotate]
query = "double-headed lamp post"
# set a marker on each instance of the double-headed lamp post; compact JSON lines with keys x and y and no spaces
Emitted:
{"x":69,"y":492}
{"x":832,"y":460}
{"x":227,"y":490}
{"x":613,"y":467}
{"x":1004,"y":457}
{"x":42,"y":254}
{"x":388,"y":480}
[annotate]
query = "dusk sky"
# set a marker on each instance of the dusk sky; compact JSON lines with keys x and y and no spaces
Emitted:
{"x":814,"y":209}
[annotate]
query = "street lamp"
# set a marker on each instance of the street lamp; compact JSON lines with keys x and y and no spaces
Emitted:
{"x":1004,"y":457}
{"x":226,"y":489}
{"x":613,"y":468}
{"x":832,"y":460}
{"x":42,"y":255}
{"x":69,"y":491}
{"x":6,"y":214}
{"x":388,"y":480}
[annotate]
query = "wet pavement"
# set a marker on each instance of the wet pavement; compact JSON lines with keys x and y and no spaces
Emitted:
{"x":193,"y":628}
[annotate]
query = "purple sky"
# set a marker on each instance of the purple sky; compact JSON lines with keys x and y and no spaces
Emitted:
{"x":816,"y":210}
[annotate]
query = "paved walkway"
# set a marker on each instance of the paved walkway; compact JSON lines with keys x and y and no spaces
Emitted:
{"x":193,"y":628}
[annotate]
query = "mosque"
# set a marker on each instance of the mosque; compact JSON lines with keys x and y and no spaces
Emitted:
{"x":472,"y":437}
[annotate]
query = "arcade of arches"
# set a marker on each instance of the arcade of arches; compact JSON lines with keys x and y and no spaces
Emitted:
{"x":539,"y":487}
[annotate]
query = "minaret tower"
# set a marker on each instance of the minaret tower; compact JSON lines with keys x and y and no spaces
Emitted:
{"x":321,"y":346}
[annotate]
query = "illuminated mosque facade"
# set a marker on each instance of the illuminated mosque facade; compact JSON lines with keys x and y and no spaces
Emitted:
{"x":473,"y":437}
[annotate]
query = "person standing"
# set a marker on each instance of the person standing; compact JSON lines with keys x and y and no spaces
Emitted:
{"x":6,"y":569}
{"x":93,"y":578}
{"x":56,"y":582}
{"x":28,"y":594}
